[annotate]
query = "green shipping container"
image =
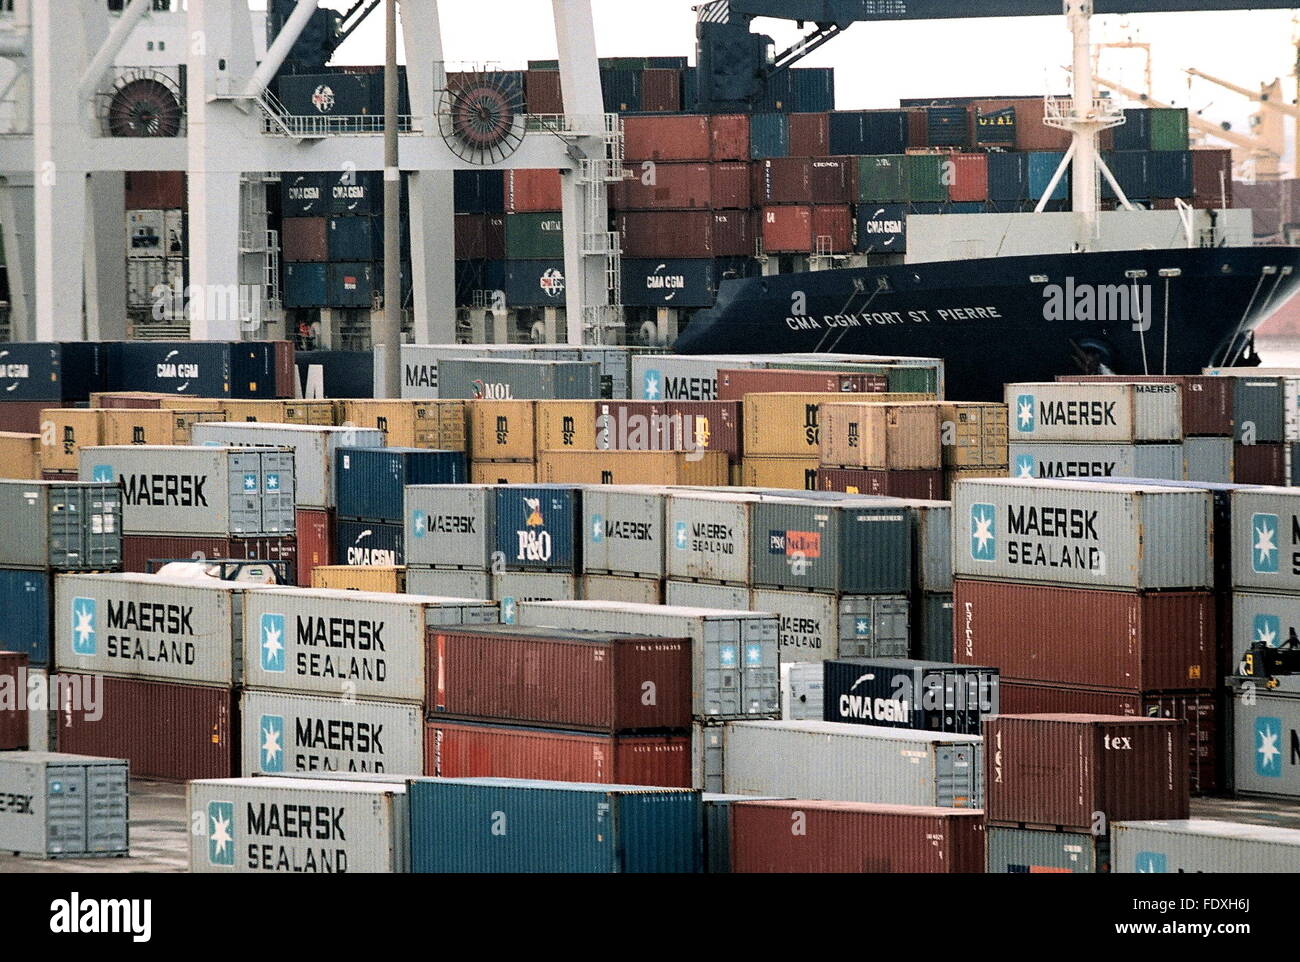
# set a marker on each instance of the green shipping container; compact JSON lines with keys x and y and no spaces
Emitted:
{"x":535,"y":236}
{"x":882,"y":179}
{"x":1169,"y":129}
{"x":925,"y":179}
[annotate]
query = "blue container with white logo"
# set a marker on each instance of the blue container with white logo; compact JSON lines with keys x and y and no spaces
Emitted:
{"x":900,"y":693}
{"x":882,"y":228}
{"x":241,"y":369}
{"x":370,"y":482}
{"x":369,"y":544}
{"x":52,"y":371}
{"x":326,"y":374}
{"x":536,"y":527}
{"x":503,"y":825}
{"x":679,"y":282}
{"x":534,"y":283}
{"x":26,"y":601}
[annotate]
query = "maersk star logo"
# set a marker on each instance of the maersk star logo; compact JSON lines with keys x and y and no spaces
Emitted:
{"x":507,"y":611}
{"x":1264,"y":553}
{"x":272,"y":642}
{"x":679,"y":536}
{"x":1025,"y":414}
{"x":652,"y":388}
{"x":1024,"y":466}
{"x":727,"y":656}
{"x":250,"y":483}
{"x":272,"y":484}
{"x":102,"y":474}
{"x":1150,"y":863}
{"x":221,"y":833}
{"x":272,"y":729}
{"x":983,"y":532}
{"x":83,"y":626}
{"x":1267,"y":628}
{"x":597,"y":529}
{"x":862,"y":627}
{"x":1268,"y":747}
{"x":753,"y":656}
{"x":419,"y":524}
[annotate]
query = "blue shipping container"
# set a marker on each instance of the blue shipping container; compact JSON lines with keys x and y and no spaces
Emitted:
{"x":369,"y":482}
{"x":856,"y":132}
{"x":1042,"y":167}
{"x":27,"y":600}
{"x":622,"y":90}
{"x":690,"y":89}
{"x":485,"y":825}
{"x":536,"y":527}
{"x":369,"y":544}
{"x":535,"y":284}
{"x":52,"y":371}
{"x":355,"y":239}
{"x":305,"y":285}
{"x":1008,"y":177}
{"x":1135,"y":132}
{"x":304,"y":194}
{"x":355,"y":192}
{"x":882,"y":228}
{"x":1169,"y":173}
{"x":1131,"y":169}
{"x":477,"y":276}
{"x":670,"y":283}
{"x":479,"y":191}
{"x":769,"y":136}
{"x":350,"y":285}
{"x":244,"y":369}
{"x":327,"y":374}
{"x":812,"y":90}
{"x":948,"y":126}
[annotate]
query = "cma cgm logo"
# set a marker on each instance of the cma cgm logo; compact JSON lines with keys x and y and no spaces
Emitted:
{"x":1264,"y":553}
{"x":552,"y":283}
{"x":1150,"y":863}
{"x":652,"y":386}
{"x":272,"y":634}
{"x":1268,"y":747}
{"x":1025,"y":418}
{"x":272,"y":734}
{"x":322,"y":98}
{"x":221,"y":833}
{"x":983,"y":532}
{"x":83,"y":626}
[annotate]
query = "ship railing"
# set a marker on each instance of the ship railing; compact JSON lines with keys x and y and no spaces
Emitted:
{"x":1060,"y":113}
{"x":278,"y":122}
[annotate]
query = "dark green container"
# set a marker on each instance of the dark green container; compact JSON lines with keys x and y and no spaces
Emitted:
{"x":882,"y":179}
{"x":1168,"y":129}
{"x":925,"y":179}
{"x":934,"y":628}
{"x":535,"y":236}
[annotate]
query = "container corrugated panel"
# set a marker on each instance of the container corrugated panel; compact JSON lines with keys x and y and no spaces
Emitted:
{"x":1008,"y":177}
{"x":450,"y":526}
{"x":1208,"y":459}
{"x":449,"y":583}
{"x":564,"y":827}
{"x":881,"y":436}
{"x":624,"y":531}
{"x":198,"y":740}
{"x":142,"y":553}
{"x":1081,"y":534}
{"x":1260,"y":405}
{"x":934,"y":627}
{"x":1106,"y":639}
{"x":634,"y":590}
{"x":1064,"y":460}
{"x":810,"y":624}
{"x":853,"y":763}
{"x":1262,"y":617}
{"x":27,"y":600}
{"x":1021,"y":851}
{"x":536,"y":527}
{"x":802,"y":691}
{"x":370,"y":482}
{"x":1259,"y":464}
{"x":13,"y":721}
{"x":1203,"y":845}
{"x":708,"y":536}
{"x":769,"y":136}
{"x":875,"y":626}
{"x":920,"y":695}
{"x":251,"y":826}
{"x":317,"y":640}
{"x":507,"y":379}
{"x":1265,"y":733}
{"x":846,"y":837}
{"x":63,"y":805}
{"x":360,"y":578}
{"x":510,"y":588}
{"x":1095,"y":412}
{"x":1266,"y":539}
{"x":68,"y":526}
{"x":1067,"y":770}
{"x":369,"y":543}
{"x":302,"y":733}
{"x":700,"y":594}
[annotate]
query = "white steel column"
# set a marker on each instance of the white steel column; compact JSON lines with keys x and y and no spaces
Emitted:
{"x":105,"y":257}
{"x":17,"y":223}
{"x":1079,"y":13}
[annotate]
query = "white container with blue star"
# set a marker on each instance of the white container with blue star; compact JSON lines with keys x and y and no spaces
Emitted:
{"x":1266,"y":539}
{"x":1266,"y":737}
{"x":1095,"y":412}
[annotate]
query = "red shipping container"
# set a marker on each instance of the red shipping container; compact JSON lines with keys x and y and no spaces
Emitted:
{"x":918,"y":128}
{"x":729,"y":137}
{"x":1208,"y":405}
{"x":684,"y":233}
{"x":1259,"y":464}
{"x":854,"y":837}
{"x":1074,"y":771}
{"x":533,"y":191}
{"x":13,"y":717}
{"x":593,"y":682}
{"x":788,"y":230}
{"x":1082,"y":636}
{"x":286,"y":370}
{"x":918,"y":485}
{"x":970,"y":178}
{"x":834,"y":180}
{"x":169,"y":731}
{"x":60,"y":476}
{"x":733,"y":385}
{"x":683,"y":137}
{"x":783,"y":180}
{"x":810,"y":134}
{"x":23,"y":417}
{"x":713,"y":425}
{"x":1197,"y":709}
{"x":1211,"y":178}
{"x":155,"y":189}
{"x":305,"y":240}
{"x":315,"y":532}
{"x":542,"y":92}
{"x":666,"y":187}
{"x":661,"y":91}
{"x":138,"y":550}
{"x":731,"y":186}
{"x":833,"y":229}
{"x":468,"y":750}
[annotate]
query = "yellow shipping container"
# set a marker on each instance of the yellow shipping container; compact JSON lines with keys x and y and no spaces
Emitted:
{"x":391,"y":580}
{"x":64,"y":432}
{"x":795,"y":474}
{"x":786,"y":425}
{"x":881,"y":436}
{"x":20,"y":456}
{"x":183,"y":423}
{"x":566,"y":425}
{"x":410,"y":424}
{"x":261,"y":412}
{"x":127,"y":426}
{"x":440,"y":425}
{"x":503,"y":472}
{"x":503,"y":430}
{"x":974,"y":434}
{"x":953,"y":475}
{"x":319,"y":412}
{"x":632,"y":467}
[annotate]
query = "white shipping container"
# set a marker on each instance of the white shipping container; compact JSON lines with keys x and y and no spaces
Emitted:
{"x":1066,"y":460}
{"x":697,"y":594}
{"x":1203,"y":845}
{"x":449,"y":583}
{"x":1266,"y":539}
{"x":624,"y":530}
{"x":511,"y":588}
{"x":802,"y":688}
{"x":146,"y":277}
{"x":708,"y":536}
{"x":1095,"y":412}
{"x":638,"y":591}
{"x":450,"y":525}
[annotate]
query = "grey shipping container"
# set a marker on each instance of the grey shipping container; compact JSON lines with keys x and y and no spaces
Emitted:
{"x":1207,"y":459}
{"x":450,"y":525}
{"x":1263,"y":617}
{"x":510,"y":588}
{"x":64,"y":525}
{"x":309,"y":733}
{"x":638,"y":591}
{"x":933,"y":635}
{"x":313,"y":451}
{"x":709,"y":536}
{"x":1095,"y":411}
{"x":449,"y":582}
{"x":245,"y":826}
{"x":1085,"y":535}
{"x":366,"y":643}
{"x":1259,"y":405}
{"x":802,"y":691}
{"x":932,"y":544}
{"x":701,"y":594}
{"x":1266,"y":539}
{"x":1066,"y":460}
{"x":624,"y":530}
{"x":150,"y":627}
{"x":853,"y":763}
{"x":735,"y":657}
{"x":197,"y":490}
{"x":63,"y":806}
{"x":1015,"y":851}
{"x":819,"y":627}
{"x":518,"y":380}
{"x":1203,"y":845}
{"x":1266,"y":737}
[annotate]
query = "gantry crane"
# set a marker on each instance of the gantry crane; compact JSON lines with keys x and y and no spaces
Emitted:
{"x":1274,"y":109}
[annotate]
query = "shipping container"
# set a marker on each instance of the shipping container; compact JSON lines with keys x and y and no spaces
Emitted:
{"x":696,"y":468}
{"x":534,"y":236}
{"x":304,"y":194}
{"x":769,"y":136}
{"x":158,"y":189}
{"x":919,"y":695}
{"x":882,"y":179}
{"x":510,"y":588}
{"x":669,"y":186}
{"x":15,"y":676}
{"x":1208,"y":459}
{"x":1265,"y":725}
{"x":1207,"y":402}
{"x":733,"y":385}
{"x":370,"y":482}
{"x":688,"y":426}
{"x":251,"y":825}
{"x":1020,"y":851}
{"x":27,"y":598}
{"x":1067,"y":771}
{"x":536,"y":528}
{"x":1212,"y":178}
{"x":65,"y":526}
{"x":1259,"y":464}
{"x":1259,"y":405}
{"x":933,"y":632}
{"x":1266,"y":522}
{"x":678,"y":138}
{"x":701,"y":594}
{"x":449,"y":582}
{"x":882,"y":227}
{"x":52,"y":371}
{"x":1203,"y":845}
{"x":802,"y":691}
{"x":305,"y":240}
{"x":624,"y":531}
{"x":880,"y":436}
{"x":315,"y":541}
{"x":1132,"y":170}
{"x":690,"y":234}
{"x":503,"y":472}
{"x":868,"y":132}
{"x":1169,"y":174}
{"x":391,"y":580}
{"x":926,"y":180}
{"x":501,"y":380}
{"x":1063,"y":460}
{"x":792,"y":474}
{"x":143,"y":553}
{"x":137,"y":427}
{"x":305,"y":285}
{"x":925,"y":485}
{"x":450,"y":526}
{"x":709,"y":536}
{"x":1096,"y":411}
{"x":1042,"y":167}
{"x":243,"y":369}
{"x":369,"y":543}
{"x":564,"y":425}
{"x":788,"y":425}
{"x":63,"y":805}
{"x":439,"y":425}
{"x":816,"y":627}
{"x":633,"y":590}
{"x":810,"y":134}
{"x":1082,"y":534}
{"x":352,"y":285}
{"x":969,"y":175}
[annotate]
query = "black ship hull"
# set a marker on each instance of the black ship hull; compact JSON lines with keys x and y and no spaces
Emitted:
{"x":999,"y":320}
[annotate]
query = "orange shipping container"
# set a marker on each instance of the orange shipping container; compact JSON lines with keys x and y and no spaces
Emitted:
{"x":64,"y":432}
{"x":503,"y":472}
{"x":681,"y":137}
{"x":794,"y":474}
{"x":705,"y":468}
{"x":503,"y":430}
{"x":389,"y":580}
{"x":138,"y":427}
{"x":787,"y":425}
{"x":565,"y":425}
{"x":20,"y":456}
{"x":261,"y":412}
{"x":881,"y":436}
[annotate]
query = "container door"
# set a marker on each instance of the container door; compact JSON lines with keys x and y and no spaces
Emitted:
{"x":278,"y":492}
{"x":958,"y":777}
{"x":65,"y":809}
{"x":722,"y":696}
{"x":761,"y":678}
{"x":707,"y":758}
{"x":245,"y":499}
{"x":67,"y":542}
{"x":101,"y":526}
{"x":106,"y":808}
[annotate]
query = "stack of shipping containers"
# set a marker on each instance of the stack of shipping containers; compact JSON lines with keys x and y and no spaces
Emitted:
{"x":1268,"y":423}
{"x":156,"y":252}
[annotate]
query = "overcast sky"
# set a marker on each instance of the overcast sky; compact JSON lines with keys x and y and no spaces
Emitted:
{"x":876,"y":64}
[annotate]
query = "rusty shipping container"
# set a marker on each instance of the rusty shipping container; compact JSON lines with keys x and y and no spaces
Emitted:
{"x":1082,"y":636}
{"x":533,"y":191}
{"x":881,"y":436}
{"x":729,"y":137}
{"x":690,"y":234}
{"x":680,"y":138}
{"x":661,"y":91}
{"x":970,"y":177}
{"x":304,"y":240}
{"x":139,"y":550}
{"x":787,"y":229}
{"x":810,"y":134}
{"x":573,"y":680}
{"x":733,"y":385}
{"x":782,"y":180}
{"x":914,"y":485}
{"x":854,"y":837}
{"x":315,"y":542}
{"x":657,"y":186}
{"x":832,"y":228}
{"x":455,"y":749}
{"x":1259,"y":464}
{"x":1067,"y":771}
{"x":13,"y":717}
{"x":168,"y":731}
{"x":1208,"y":407}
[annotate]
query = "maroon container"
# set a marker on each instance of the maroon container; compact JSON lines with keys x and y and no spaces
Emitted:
{"x":733,"y":385}
{"x":787,"y":230}
{"x":593,"y":682}
{"x":1208,"y":406}
{"x":692,"y":233}
{"x":471,"y":236}
{"x":666,"y":187}
{"x":467,"y":750}
{"x":854,"y":837}
{"x":60,"y":476}
{"x":810,"y":134}
{"x":918,"y":128}
{"x":542,"y":91}
{"x":729,"y":137}
{"x":970,"y":181}
{"x":1082,"y":772}
{"x":1082,"y":636}
{"x":1259,"y":464}
{"x":835,"y":180}
{"x":716,"y":425}
{"x":533,"y":191}
{"x":138,"y":550}
{"x":731,"y":187}
{"x":315,"y":533}
{"x":733,"y":234}
{"x":23,"y":417}
{"x":721,"y":428}
{"x":683,"y":137}
{"x":1197,"y":709}
{"x":286,"y":370}
{"x":916,"y":485}
{"x":155,"y":189}
{"x":833,"y":228}
{"x":783,"y":180}
{"x":13,"y":718}
{"x":661,"y":91}
{"x":1211,"y":178}
{"x":305,"y":240}
{"x":169,"y":731}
